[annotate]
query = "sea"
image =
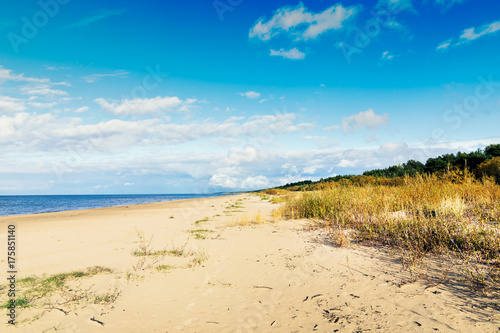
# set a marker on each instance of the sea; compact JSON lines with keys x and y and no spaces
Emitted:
{"x":34,"y":204}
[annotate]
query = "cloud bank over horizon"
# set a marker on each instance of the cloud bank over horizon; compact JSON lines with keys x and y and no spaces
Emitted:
{"x":271,"y":94}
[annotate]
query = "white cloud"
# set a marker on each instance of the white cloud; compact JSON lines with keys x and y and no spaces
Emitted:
{"x":300,"y":23}
{"x":55,"y":68}
{"x":43,"y":90}
{"x":387,"y":55}
{"x":273,"y":124}
{"x":140,"y":106}
{"x":46,"y":132}
{"x":396,"y":5}
{"x":311,"y":170}
{"x":6,"y":75}
{"x":290,"y":169}
{"x":250,"y":94}
{"x":20,"y":128}
{"x":44,"y":143}
{"x":258,"y":182}
{"x":315,"y":137}
{"x":474,"y":33}
{"x":42,"y":105}
{"x":444,"y":45}
{"x":294,"y":54}
{"x":366,"y":118}
{"x":347,"y":164}
{"x":66,"y":84}
{"x":95,"y":77}
{"x":188,"y":104}
{"x":238,"y":156}
{"x":11,"y":105}
{"x":223,"y":180}
{"x":328,"y":144}
{"x":259,"y":129}
{"x":82,"y":109}
{"x":332,"y":128}
{"x":471,"y":34}
{"x":394,"y":147}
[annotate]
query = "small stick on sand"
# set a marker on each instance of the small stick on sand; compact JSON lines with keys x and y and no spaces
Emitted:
{"x":97,"y":321}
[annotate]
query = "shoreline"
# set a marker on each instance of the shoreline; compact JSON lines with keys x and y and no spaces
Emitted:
{"x":209,"y":268}
{"x":211,"y":195}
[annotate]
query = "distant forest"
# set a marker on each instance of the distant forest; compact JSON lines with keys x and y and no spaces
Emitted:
{"x":482,"y":162}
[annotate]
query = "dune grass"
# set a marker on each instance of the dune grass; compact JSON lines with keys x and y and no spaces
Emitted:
{"x":425,"y":215}
{"x":34,"y":291}
{"x":247,"y":220}
{"x":200,"y":233}
{"x":206,"y":219}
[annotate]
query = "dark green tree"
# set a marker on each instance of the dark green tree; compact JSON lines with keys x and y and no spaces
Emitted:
{"x":471,"y":160}
{"x":493,"y":150}
{"x":413,"y":167}
{"x":440,"y":163}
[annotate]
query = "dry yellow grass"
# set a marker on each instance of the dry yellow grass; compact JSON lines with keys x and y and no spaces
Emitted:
{"x":246,"y":220}
{"x":424,"y":215}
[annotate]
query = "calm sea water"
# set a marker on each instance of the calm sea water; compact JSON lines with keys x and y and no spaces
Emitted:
{"x":32,"y":204}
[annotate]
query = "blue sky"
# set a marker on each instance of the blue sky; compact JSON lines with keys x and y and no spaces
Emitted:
{"x":204,"y":96}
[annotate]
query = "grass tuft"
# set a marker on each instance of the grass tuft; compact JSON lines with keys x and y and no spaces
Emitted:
{"x":206,"y":219}
{"x":200,"y":233}
{"x":34,"y":290}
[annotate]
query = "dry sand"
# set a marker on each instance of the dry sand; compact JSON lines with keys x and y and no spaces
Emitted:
{"x":272,"y":277}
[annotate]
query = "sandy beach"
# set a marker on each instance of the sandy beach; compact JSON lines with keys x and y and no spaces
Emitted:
{"x":208,"y":270}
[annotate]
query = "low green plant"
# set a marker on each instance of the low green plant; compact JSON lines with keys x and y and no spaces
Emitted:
{"x":206,"y":219}
{"x":200,"y":233}
{"x":164,"y":267}
{"x":21,"y":302}
{"x":35,"y":290}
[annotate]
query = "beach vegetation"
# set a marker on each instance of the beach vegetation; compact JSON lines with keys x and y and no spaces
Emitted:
{"x":178,"y":251}
{"x":200,"y":233}
{"x":37,"y":291}
{"x":199,"y":258}
{"x":206,"y":219}
{"x":452,"y":215}
{"x":490,"y":168}
{"x":234,"y":206}
{"x":247,"y":220}
{"x":161,"y":268}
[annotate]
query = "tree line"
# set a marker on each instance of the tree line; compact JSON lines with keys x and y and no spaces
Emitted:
{"x":482,"y":162}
